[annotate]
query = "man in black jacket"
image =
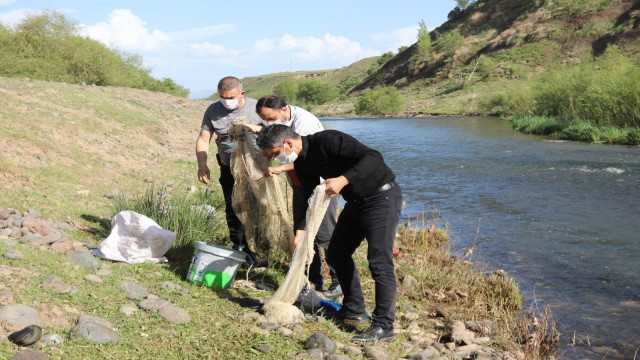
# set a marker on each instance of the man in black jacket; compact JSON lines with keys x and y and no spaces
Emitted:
{"x":372,"y":211}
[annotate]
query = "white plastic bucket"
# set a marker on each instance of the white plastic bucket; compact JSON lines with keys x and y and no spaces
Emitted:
{"x":214,"y":265}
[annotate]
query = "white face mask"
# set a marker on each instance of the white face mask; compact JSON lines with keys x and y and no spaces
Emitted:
{"x":286,"y":159}
{"x":230,"y":104}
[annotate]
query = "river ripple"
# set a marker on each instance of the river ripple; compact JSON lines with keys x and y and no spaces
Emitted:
{"x":563,"y":218}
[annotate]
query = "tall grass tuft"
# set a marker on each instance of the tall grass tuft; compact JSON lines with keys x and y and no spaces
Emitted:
{"x":539,"y":125}
{"x":447,"y":281}
{"x":194,"y":217}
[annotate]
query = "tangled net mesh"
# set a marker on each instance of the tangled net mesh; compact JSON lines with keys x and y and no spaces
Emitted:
{"x":258,"y":201}
{"x":260,"y":205}
{"x":279,"y":308}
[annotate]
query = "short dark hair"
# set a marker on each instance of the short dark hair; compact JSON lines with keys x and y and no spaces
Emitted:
{"x":229,"y":83}
{"x":270,"y":101}
{"x":274,"y":135}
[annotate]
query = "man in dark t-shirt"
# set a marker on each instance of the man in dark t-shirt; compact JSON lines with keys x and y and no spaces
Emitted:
{"x":232,"y":105}
{"x":372,"y":211}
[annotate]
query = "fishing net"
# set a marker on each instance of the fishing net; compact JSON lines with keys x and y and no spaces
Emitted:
{"x":258,"y":201}
{"x":279,"y":308}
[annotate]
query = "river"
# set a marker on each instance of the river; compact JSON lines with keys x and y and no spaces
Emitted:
{"x":562,"y":218}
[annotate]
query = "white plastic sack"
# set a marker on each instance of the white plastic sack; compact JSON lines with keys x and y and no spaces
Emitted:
{"x":135,"y":238}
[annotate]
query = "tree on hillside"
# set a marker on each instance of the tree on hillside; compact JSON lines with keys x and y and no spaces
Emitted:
{"x":460,"y":7}
{"x":316,"y":92}
{"x":463,"y":4}
{"x":423,"y":46}
{"x":288,"y":90}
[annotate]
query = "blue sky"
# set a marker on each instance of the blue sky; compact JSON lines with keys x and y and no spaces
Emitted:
{"x":197,"y":42}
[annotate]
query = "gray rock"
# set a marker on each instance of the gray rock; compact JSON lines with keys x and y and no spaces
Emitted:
{"x":52,"y":237}
{"x":90,"y":319}
{"x":128,"y":310}
{"x":92,"y":278}
{"x":153,"y":304}
{"x":55,"y":283}
{"x":18,"y":316}
{"x":29,"y":354}
{"x":337,"y":357}
{"x":426,"y":354}
{"x":14,"y":254}
{"x":269,"y":325}
{"x":320,"y":341}
{"x":484,"y":327}
{"x":94,"y":329}
{"x":95,"y":333}
{"x":168,"y":285}
{"x":262,"y":347}
{"x":314,"y":354}
{"x":466,"y":350}
{"x":134,"y":291}
{"x":52,"y":339}
{"x":103,"y":272}
{"x":8,"y":242}
{"x":63,"y":225}
{"x":174,"y":314}
{"x":86,"y":260}
{"x":376,"y":353}
{"x":460,"y":334}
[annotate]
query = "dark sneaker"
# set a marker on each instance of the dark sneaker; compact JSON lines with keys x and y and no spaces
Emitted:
{"x":333,"y":291}
{"x":374,"y":333}
{"x":357,"y":322}
{"x":250,"y":257}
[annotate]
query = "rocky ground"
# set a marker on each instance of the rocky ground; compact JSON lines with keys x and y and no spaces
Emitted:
{"x":455,"y":339}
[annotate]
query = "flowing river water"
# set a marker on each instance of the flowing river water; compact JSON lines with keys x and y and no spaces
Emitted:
{"x":562,"y":218}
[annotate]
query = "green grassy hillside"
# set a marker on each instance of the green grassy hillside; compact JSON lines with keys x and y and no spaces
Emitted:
{"x":63,"y":147}
{"x":491,"y":48}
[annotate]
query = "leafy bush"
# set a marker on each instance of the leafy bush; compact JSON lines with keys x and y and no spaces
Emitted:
{"x":381,"y":100}
{"x":633,"y":136}
{"x":581,"y":131}
{"x":449,"y":42}
{"x":315,"y":92}
{"x":288,"y":90}
{"x":48,"y":47}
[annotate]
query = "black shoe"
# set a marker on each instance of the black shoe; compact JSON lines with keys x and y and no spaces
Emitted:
{"x":356,"y":322}
{"x":374,"y":333}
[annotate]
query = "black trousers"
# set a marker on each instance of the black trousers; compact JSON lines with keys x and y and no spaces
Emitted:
{"x":375,"y":218}
{"x":323,"y":236}
{"x":236,"y":229}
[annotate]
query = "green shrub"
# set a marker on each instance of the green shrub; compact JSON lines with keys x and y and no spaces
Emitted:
{"x":381,"y":100}
{"x":315,"y":92}
{"x":449,"y":42}
{"x":539,"y":125}
{"x":633,"y":136}
{"x":580,"y":131}
{"x":288,"y":90}
{"x":48,"y":47}
{"x":516,"y":101}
